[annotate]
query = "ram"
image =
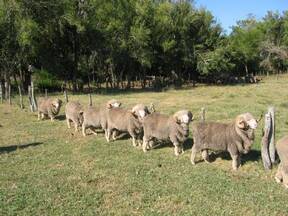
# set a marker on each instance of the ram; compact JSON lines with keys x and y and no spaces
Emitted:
{"x":236,"y":137}
{"x":163,"y":127}
{"x":130,"y":121}
{"x":96,"y":117}
{"x":282,"y":172}
{"x":48,"y":107}
{"x":74,"y":113}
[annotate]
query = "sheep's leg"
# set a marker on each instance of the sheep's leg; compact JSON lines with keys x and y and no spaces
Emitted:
{"x":235,"y":161}
{"x":84,"y":129}
{"x":205,"y":155}
{"x":285,"y":175}
{"x":76,"y":126}
{"x":94,"y":131}
{"x":68,"y":122}
{"x":114,"y":135}
{"x":177,"y":148}
{"x":108,"y":134}
{"x":39,"y":116}
{"x":151,"y":144}
{"x":193,"y":154}
{"x":240,"y":148}
{"x":52,"y":118}
{"x":145,"y":144}
{"x":279,"y":175}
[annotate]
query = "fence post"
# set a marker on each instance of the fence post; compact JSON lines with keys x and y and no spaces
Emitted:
{"x":1,"y":94}
{"x":65,"y":96}
{"x":272,"y":151}
{"x":34,"y":102}
{"x":6,"y":90}
{"x":90,"y":100}
{"x":202,"y":114}
{"x":21,"y":99}
{"x":30,"y":98}
{"x":266,"y":144}
{"x":9,"y":94}
{"x":46,"y":93}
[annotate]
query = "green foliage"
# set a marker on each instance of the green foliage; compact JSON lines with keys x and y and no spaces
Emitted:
{"x":45,"y":80}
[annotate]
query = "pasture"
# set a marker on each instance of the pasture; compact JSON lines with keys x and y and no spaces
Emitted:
{"x":48,"y":169}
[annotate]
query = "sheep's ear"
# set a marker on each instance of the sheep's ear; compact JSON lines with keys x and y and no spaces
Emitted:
{"x":240,"y":122}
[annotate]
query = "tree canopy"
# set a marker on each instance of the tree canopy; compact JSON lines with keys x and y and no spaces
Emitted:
{"x":120,"y":41}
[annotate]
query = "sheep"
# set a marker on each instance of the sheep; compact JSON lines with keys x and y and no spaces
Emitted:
{"x":74,"y":113}
{"x":282,"y":172}
{"x":236,"y":138}
{"x":122,"y":120}
{"x":163,"y":127}
{"x":48,"y":107}
{"x":96,"y":117}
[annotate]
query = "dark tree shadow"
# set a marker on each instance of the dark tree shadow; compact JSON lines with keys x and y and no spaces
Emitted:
{"x":188,"y":144}
{"x":9,"y":149}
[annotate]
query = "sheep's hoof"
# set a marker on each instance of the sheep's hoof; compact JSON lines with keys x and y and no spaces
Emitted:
{"x":192,"y":162}
{"x":278,"y":180}
{"x":144,"y":150}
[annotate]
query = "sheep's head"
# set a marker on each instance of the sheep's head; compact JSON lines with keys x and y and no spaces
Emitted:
{"x":113,"y":103}
{"x":246,"y":121}
{"x":56,"y":103}
{"x":183,"y":117}
{"x":140,"y":111}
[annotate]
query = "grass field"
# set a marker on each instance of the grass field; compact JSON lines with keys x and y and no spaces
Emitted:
{"x":47,"y":169}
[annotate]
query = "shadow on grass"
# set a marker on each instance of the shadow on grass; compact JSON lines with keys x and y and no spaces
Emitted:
{"x":253,"y":155}
{"x":9,"y":149}
{"x":60,"y":117}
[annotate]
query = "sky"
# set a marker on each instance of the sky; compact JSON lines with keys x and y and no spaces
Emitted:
{"x":228,"y":12}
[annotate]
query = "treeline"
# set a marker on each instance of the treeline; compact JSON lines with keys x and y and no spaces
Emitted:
{"x":117,"y":43}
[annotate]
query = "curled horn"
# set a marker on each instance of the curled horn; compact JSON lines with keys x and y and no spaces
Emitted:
{"x":240,"y":122}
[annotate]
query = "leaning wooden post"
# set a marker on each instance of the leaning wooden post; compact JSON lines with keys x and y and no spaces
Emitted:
{"x":203,"y":112}
{"x":272,"y":151}
{"x":90,"y":100}
{"x":9,"y":94}
{"x":265,"y":142}
{"x":1,"y":94}
{"x":34,"y":102}
{"x":20,"y":97}
{"x":46,"y":93}
{"x":30,"y":98}
{"x":65,"y":96}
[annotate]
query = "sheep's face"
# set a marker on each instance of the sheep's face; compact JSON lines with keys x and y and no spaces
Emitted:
{"x":140,"y":111}
{"x":57,"y":103}
{"x":246,"y":121}
{"x":183,"y":117}
{"x":113,"y":103}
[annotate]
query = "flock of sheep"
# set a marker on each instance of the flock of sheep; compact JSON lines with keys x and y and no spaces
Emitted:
{"x":146,"y":127}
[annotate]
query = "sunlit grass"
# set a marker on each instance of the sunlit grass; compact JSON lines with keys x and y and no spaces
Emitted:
{"x":48,"y":169}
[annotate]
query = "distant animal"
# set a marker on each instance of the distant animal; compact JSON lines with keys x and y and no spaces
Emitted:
{"x":74,"y":112}
{"x":96,"y":117}
{"x":282,"y":172}
{"x":48,"y":107}
{"x":162,"y":127}
{"x":236,"y":137}
{"x":123,"y":120}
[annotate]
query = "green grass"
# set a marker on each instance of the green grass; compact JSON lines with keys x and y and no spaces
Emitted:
{"x":47,"y":169}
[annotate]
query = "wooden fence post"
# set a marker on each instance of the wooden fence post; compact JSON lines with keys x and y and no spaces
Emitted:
{"x":46,"y":93}
{"x":34,"y":102}
{"x":265,"y":143}
{"x":65,"y":96}
{"x":268,"y":151}
{"x":9,"y":94}
{"x":21,"y":99}
{"x":272,"y":151}
{"x":6,"y":90}
{"x":1,"y":94}
{"x":202,"y":114}
{"x":90,"y":100}
{"x":30,"y":98}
